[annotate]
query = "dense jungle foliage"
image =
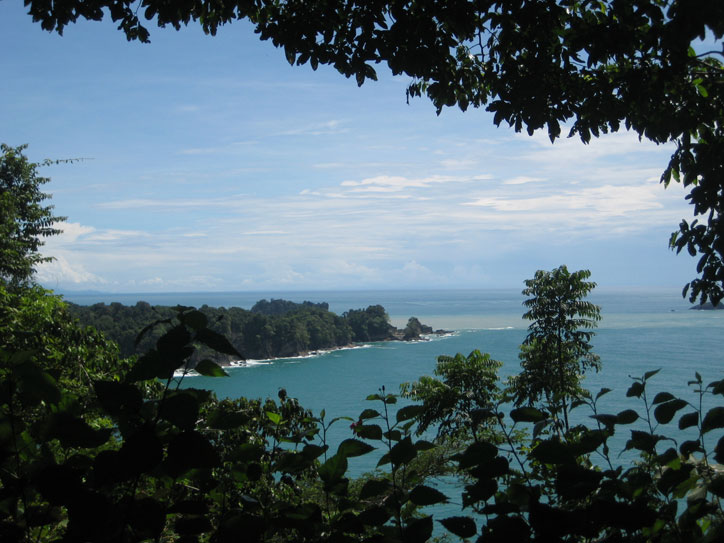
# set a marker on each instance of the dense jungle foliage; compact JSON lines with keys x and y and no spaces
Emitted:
{"x":271,"y":329}
{"x":98,"y":448}
{"x":95,"y":447}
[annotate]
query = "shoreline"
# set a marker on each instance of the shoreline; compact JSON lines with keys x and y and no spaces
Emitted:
{"x":350,"y":346}
{"x":318,"y":353}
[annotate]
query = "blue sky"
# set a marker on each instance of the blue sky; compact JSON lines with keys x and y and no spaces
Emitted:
{"x":213,"y":165}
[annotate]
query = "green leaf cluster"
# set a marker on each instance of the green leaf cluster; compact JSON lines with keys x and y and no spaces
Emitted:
{"x":24,"y":220}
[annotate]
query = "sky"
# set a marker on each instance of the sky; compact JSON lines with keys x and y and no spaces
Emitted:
{"x":211,"y":164}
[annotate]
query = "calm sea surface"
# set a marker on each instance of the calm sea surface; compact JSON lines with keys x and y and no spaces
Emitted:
{"x":641,"y":330}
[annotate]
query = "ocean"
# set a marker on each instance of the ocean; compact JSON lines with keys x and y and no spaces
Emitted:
{"x":640,"y":330}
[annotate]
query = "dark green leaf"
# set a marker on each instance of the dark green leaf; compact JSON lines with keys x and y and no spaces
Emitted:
{"x":481,"y":414}
{"x":146,"y":367}
{"x":463,"y":527}
{"x":667,"y":457}
{"x":393,"y":435}
{"x":147,"y":517}
{"x":418,"y":530}
{"x":508,"y":528}
{"x":602,"y":392}
{"x":37,"y":385}
{"x":574,"y":482}
{"x":194,"y":319}
{"x":665,"y":412}
{"x":375,"y":516}
{"x":475,"y":454}
{"x":716,"y":486}
{"x":663,"y":397}
{"x":174,"y":340}
{"x":688,"y":448}
{"x":589,"y":441}
{"x":403,"y":452}
{"x":527,"y":414}
{"x":627,"y":416}
{"x":552,"y":451}
{"x":210,"y":369}
{"x":606,"y":419}
{"x":275,"y":418}
{"x":671,"y":478}
{"x":190,"y":507}
{"x":642,"y":441}
{"x":56,"y":482}
{"x":192,"y":525}
{"x":217,"y":342}
{"x":422,"y":445}
{"x":635,"y":390}
{"x":224,"y":420}
{"x":719,"y":451}
{"x":409,"y":412}
{"x":75,"y":432}
{"x":241,"y":527}
{"x":190,"y":450}
{"x":369,"y":431}
{"x":312,"y":451}
{"x":649,"y":374}
{"x":147,"y":328}
{"x":116,"y":397}
{"x":333,"y":469}
{"x":141,"y":452}
{"x":497,"y":467}
{"x":368,"y":414}
{"x":353,"y":447}
{"x":481,"y":491}
{"x":384,"y":459}
{"x":374,"y":487}
{"x":181,"y":409}
{"x":425,"y":495}
{"x":713,"y":419}
{"x":717,"y":387}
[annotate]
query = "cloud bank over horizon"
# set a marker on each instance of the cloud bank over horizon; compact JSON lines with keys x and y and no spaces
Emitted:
{"x":217,"y":166}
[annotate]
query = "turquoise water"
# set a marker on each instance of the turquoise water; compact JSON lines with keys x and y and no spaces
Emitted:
{"x":641,"y":330}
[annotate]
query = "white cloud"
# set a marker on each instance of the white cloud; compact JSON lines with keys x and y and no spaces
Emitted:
{"x":566,"y":152}
{"x":170,"y":203}
{"x":114,"y":234}
{"x":387,"y":183}
{"x":228,"y":148}
{"x":326,"y":128}
{"x":264,"y":233}
{"x":522,"y":180}
{"x":73,"y":230}
{"x":61,"y":272}
{"x":606,"y":201}
{"x":458,"y":164}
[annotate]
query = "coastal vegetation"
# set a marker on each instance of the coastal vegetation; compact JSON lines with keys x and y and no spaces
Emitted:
{"x":270,"y":329}
{"x":100,"y":448}
{"x":96,"y":447}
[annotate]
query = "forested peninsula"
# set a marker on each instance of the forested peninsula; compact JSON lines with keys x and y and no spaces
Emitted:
{"x":270,"y":329}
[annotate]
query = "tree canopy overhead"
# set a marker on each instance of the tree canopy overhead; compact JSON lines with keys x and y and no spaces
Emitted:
{"x":589,"y":67}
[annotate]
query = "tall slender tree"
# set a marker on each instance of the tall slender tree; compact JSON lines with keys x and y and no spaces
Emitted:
{"x":557,"y":350}
{"x":24,"y":220}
